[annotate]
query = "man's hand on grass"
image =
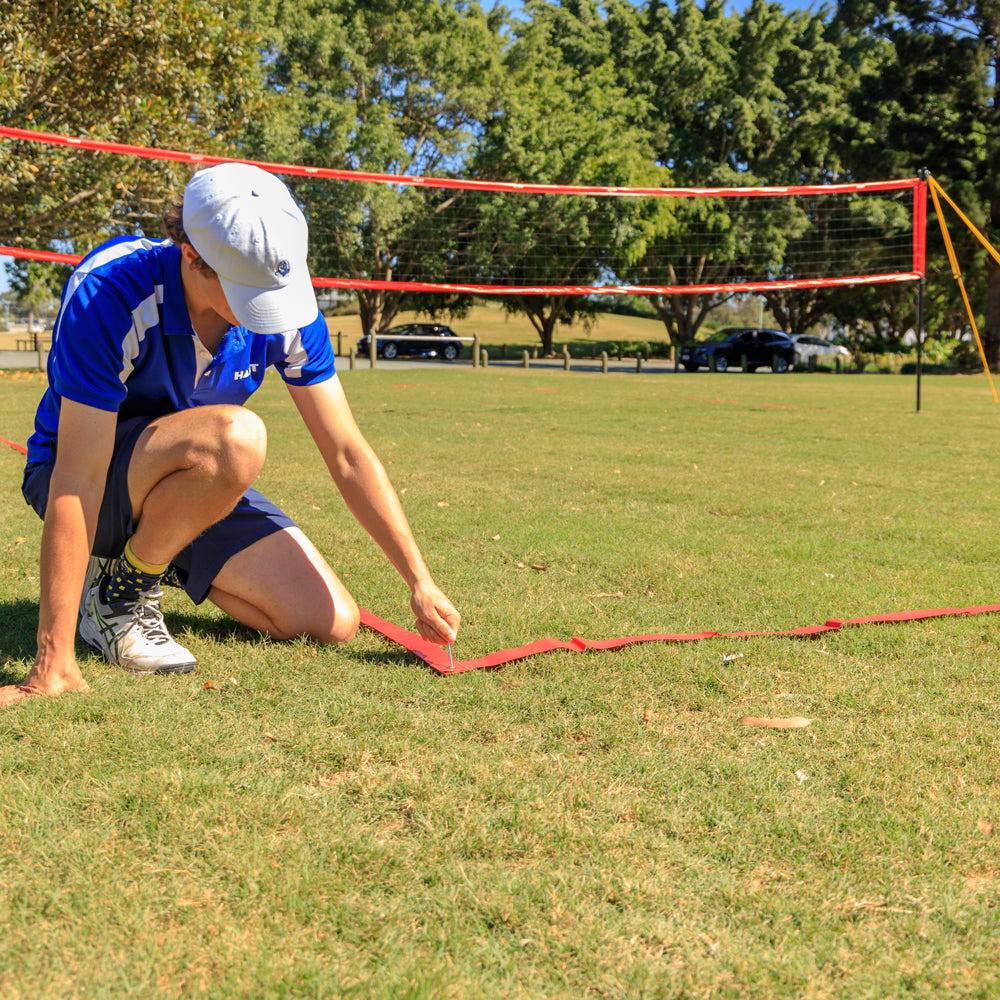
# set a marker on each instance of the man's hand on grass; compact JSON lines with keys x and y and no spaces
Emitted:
{"x":437,"y":619}
{"x":47,"y":679}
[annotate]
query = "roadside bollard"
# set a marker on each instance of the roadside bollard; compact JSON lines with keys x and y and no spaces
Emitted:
{"x":372,"y":350}
{"x":484,"y":356}
{"x":525,"y":361}
{"x":475,"y":350}
{"x":534,"y":354}
{"x":604,"y":362}
{"x":638,"y":362}
{"x":352,"y":356}
{"x":565,"y":358}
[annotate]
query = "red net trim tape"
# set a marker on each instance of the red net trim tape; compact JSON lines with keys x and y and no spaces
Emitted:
{"x":437,"y":658}
{"x":205,"y":159}
{"x":53,"y":257}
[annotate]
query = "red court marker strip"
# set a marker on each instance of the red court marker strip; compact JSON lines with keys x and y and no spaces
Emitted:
{"x":436,"y":657}
{"x":13,"y":444}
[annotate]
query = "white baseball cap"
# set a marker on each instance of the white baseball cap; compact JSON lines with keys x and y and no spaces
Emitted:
{"x":246,"y":226}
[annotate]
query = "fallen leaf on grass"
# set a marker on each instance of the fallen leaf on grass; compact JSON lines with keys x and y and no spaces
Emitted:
{"x":730,"y":657}
{"x":985,"y":827}
{"x":19,"y":541}
{"x":793,"y":722}
{"x":801,"y":777}
{"x":496,"y":538}
{"x":613,"y":593}
{"x":270,"y":737}
{"x":443,"y":503}
{"x":539,"y":567}
{"x":648,"y":590}
{"x":520,"y":565}
{"x":208,"y":686}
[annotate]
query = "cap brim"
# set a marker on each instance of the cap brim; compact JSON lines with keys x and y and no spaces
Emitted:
{"x":272,"y":310}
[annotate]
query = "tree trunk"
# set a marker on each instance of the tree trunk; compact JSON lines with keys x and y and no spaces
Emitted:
{"x":991,"y":333}
{"x":31,"y":326}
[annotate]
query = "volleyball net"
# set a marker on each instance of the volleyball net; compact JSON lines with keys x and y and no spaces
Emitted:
{"x":61,"y":195}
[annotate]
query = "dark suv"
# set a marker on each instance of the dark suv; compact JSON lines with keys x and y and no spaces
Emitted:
{"x":727,"y":348}
{"x":398,"y":341}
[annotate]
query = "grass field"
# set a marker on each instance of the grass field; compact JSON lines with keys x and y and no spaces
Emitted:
{"x":328,"y":823}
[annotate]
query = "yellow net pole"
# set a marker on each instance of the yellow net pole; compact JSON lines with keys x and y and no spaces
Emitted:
{"x":956,"y":272}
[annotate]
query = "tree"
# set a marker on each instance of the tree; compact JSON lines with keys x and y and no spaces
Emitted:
{"x":384,"y":88}
{"x":34,"y":285}
{"x":182,"y":73}
{"x":564,"y":120}
{"x":934,"y":104}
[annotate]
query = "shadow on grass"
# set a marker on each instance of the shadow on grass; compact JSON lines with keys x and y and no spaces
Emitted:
{"x":227,"y":630}
{"x":20,"y":621}
{"x":17,"y":636}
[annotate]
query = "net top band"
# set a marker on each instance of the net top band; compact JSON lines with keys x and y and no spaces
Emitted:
{"x":454,"y":183}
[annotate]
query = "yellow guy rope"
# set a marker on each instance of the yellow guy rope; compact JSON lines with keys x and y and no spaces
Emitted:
{"x":956,"y":271}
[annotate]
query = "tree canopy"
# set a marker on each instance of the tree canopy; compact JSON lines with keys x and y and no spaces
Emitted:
{"x":562,"y":91}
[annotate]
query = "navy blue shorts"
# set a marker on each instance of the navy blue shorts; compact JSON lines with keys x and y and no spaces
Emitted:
{"x":254,"y":517}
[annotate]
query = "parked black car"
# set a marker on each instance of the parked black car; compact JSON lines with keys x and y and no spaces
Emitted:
{"x":400,"y":341}
{"x":727,"y":348}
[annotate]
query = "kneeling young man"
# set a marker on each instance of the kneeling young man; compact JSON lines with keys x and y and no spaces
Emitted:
{"x":143,"y":454}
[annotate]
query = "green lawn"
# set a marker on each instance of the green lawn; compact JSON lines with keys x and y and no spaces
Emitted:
{"x":321,"y":823}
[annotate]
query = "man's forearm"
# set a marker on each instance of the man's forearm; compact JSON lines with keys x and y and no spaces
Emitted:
{"x":70,"y":523}
{"x":366,"y":489}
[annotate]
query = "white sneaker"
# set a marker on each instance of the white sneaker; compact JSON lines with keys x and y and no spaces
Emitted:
{"x":131,"y":634}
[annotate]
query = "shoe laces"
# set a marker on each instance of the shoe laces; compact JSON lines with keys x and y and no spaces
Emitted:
{"x":150,"y":618}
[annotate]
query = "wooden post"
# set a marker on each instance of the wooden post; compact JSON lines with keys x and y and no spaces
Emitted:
{"x":534,"y":354}
{"x":565,"y":357}
{"x":503,"y":352}
{"x":638,"y":362}
{"x":743,"y":363}
{"x":525,"y":360}
{"x":484,"y":358}
{"x":340,"y":344}
{"x":813,"y":362}
{"x":352,"y":355}
{"x":372,"y":350}
{"x":475,"y":350}
{"x":604,"y":362}
{"x":836,"y":364}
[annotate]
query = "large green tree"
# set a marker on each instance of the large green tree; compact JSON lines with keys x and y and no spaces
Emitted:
{"x":383,"y":88}
{"x":564,"y":120}
{"x":182,"y":73}
{"x":934,"y":104}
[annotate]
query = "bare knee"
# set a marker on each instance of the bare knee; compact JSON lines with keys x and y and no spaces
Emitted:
{"x":232,"y":447}
{"x":344,"y":627}
{"x":336,"y":623}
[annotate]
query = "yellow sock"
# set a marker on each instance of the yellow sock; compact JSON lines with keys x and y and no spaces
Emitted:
{"x":153,"y":569}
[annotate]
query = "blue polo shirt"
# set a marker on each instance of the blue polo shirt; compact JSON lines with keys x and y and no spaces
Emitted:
{"x":123,"y":342}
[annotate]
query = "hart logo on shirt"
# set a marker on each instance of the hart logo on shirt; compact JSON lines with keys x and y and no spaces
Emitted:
{"x":245,"y":373}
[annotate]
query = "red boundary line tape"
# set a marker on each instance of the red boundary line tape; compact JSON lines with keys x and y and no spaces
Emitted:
{"x":330,"y":173}
{"x":437,"y":658}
